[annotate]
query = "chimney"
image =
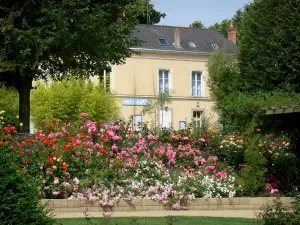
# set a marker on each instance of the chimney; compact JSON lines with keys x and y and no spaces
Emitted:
{"x":232,"y":32}
{"x":177,"y":41}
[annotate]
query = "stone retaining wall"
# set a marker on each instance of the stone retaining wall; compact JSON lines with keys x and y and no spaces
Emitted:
{"x":66,"y":205}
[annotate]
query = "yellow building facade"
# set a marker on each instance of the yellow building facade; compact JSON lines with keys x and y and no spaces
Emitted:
{"x":139,"y":81}
{"x":170,"y":59}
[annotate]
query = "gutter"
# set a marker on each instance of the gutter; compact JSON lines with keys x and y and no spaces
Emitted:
{"x":173,"y":51}
{"x":170,"y":51}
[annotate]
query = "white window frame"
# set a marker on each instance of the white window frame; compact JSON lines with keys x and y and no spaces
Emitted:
{"x":170,"y":78}
{"x":161,"y":116}
{"x":201,"y":83}
{"x":182,"y":123}
{"x":135,"y":126}
{"x":195,"y":119}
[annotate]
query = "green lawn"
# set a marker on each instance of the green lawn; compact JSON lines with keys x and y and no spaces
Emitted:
{"x":160,"y":221}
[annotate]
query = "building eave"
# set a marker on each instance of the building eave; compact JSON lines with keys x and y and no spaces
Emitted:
{"x":170,"y":51}
{"x":173,"y":51}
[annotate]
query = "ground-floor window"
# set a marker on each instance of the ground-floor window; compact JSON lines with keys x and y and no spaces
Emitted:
{"x":197,"y":118}
{"x":105,"y":80}
{"x":136,"y":122}
{"x":182,"y":125}
{"x":165,"y":118}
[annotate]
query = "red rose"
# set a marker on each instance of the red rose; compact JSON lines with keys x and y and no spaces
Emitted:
{"x":102,"y":150}
{"x":49,"y":127}
{"x":50,"y":161}
{"x":66,"y":148}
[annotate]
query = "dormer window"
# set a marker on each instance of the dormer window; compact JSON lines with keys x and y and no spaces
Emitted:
{"x":163,"y":42}
{"x":215,"y":46}
{"x":192,"y":45}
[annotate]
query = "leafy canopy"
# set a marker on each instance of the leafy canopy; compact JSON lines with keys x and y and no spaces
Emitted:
{"x":198,"y":24}
{"x":269,"y":45}
{"x":222,"y":27}
{"x":224,"y":75}
{"x":48,"y":37}
{"x":149,"y":15}
{"x":239,"y":108}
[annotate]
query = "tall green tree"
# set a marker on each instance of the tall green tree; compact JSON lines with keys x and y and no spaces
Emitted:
{"x":269,"y":45}
{"x":224,"y":75}
{"x":238,"y":18}
{"x":198,"y":24}
{"x":222,"y":27}
{"x":149,"y":15}
{"x":48,"y":38}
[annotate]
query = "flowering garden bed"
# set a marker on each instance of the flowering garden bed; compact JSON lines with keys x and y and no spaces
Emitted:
{"x":105,"y":164}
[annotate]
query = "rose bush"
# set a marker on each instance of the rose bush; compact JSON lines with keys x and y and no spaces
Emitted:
{"x":105,"y":163}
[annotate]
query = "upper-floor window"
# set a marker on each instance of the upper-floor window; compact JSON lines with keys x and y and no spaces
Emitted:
{"x":164,"y":81}
{"x":196,"y":83}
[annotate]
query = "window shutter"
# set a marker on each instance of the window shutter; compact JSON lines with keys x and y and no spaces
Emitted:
{"x":170,"y":81}
{"x":202,"y":85}
{"x":191,"y":83}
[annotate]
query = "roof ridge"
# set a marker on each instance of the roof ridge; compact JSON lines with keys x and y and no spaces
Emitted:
{"x":157,"y":25}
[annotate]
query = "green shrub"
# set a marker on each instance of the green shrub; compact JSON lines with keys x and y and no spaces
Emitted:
{"x":19,"y":203}
{"x":239,"y":110}
{"x":254,"y":176}
{"x":65,"y":100}
{"x":9,"y":102}
{"x":277,"y":214}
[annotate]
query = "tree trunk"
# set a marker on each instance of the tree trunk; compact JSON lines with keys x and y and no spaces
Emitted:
{"x":24,"y":86}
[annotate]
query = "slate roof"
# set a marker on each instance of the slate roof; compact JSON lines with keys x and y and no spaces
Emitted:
{"x":203,"y":39}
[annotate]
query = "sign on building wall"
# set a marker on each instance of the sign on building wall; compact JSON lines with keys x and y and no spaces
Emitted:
{"x":136,"y":101}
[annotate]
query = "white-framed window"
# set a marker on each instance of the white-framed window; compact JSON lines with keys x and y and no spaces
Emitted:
{"x":182,"y":125}
{"x":164,"y":80}
{"x":105,"y":80}
{"x":197,"y":118}
{"x":136,"y":122}
{"x":196,"y":83}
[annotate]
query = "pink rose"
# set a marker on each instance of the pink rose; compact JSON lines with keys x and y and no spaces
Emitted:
{"x":56,"y":180}
{"x":84,"y":115}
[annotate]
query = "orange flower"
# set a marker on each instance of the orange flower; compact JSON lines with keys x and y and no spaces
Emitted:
{"x":65,"y":166}
{"x":74,"y":144}
{"x":30,"y":140}
{"x":1,"y":143}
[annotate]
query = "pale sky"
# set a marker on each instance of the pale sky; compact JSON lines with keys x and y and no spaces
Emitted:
{"x":184,"y":12}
